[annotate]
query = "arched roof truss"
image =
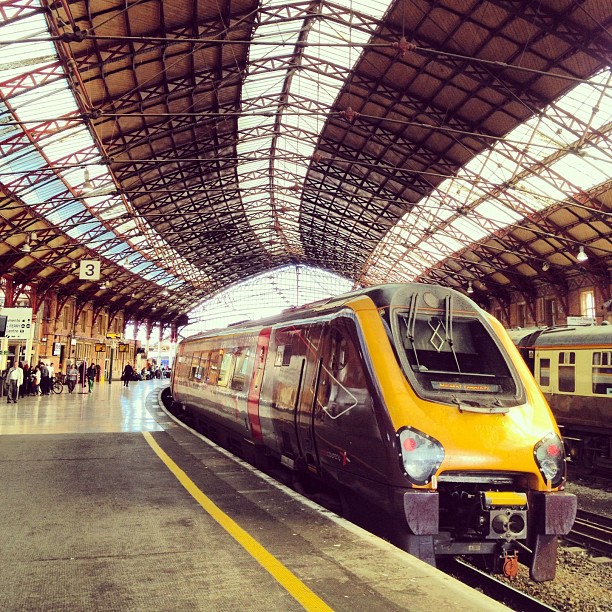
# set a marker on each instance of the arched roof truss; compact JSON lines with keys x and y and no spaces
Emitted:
{"x":191,"y":145}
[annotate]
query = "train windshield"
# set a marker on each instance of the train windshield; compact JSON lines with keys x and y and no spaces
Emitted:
{"x":453,"y":358}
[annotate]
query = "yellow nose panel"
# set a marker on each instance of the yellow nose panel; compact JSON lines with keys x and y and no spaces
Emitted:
{"x":505,"y":499}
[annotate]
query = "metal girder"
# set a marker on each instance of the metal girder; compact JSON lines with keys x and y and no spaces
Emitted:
{"x":557,"y":23}
{"x":168,"y":115}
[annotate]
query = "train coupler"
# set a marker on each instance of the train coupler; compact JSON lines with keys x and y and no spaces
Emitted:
{"x":510,"y":564}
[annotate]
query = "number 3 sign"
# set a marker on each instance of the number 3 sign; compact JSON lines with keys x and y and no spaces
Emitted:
{"x":89,"y":270}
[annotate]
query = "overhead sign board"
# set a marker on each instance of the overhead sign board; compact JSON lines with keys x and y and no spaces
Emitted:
{"x":18,"y":323}
{"x":100,"y":348}
{"x":113,"y":335}
{"x":123,"y":348}
{"x":89,"y":270}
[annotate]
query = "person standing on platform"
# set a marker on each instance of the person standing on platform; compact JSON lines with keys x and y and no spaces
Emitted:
{"x":45,"y":386}
{"x":36,"y":380}
{"x":14,"y":378}
{"x":91,"y":376}
{"x":72,"y":374}
{"x":128,"y":372}
{"x":24,"y":390}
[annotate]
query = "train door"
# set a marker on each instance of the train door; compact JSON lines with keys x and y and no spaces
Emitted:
{"x":347,"y":433}
{"x":304,"y":414}
{"x":263,"y":343}
{"x":285,"y":388}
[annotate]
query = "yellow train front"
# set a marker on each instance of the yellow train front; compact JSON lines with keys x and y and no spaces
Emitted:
{"x":406,"y":401}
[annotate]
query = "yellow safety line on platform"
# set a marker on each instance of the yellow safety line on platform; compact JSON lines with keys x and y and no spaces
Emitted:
{"x":285,"y":577}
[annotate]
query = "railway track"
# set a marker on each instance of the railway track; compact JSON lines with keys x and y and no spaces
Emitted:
{"x":592,"y":531}
{"x":494,"y":588}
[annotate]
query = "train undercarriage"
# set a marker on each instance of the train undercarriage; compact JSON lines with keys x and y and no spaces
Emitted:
{"x":587,"y":451}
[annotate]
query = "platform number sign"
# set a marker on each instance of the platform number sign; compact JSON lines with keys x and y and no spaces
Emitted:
{"x":89,"y":270}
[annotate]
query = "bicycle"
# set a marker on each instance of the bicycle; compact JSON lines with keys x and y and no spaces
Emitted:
{"x":57,"y":386}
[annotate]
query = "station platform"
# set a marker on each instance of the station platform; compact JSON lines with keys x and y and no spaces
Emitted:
{"x":107,"y":503}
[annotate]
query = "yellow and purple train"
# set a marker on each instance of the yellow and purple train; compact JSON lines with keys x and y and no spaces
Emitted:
{"x":406,"y":401}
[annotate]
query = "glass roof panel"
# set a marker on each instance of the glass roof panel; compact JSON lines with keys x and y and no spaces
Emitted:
{"x":517,"y":165}
{"x":45,"y":100}
{"x":500,"y":214}
{"x":582,"y":171}
{"x":310,"y":82}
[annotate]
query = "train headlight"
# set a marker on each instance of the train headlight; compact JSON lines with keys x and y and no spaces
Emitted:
{"x":550,"y":459}
{"x":421,"y":455}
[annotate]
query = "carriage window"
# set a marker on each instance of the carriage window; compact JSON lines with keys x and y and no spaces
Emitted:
{"x":240,"y":369}
{"x":283,"y":355}
{"x":602,"y":373}
{"x":204,"y":365}
{"x":213,"y":370}
{"x":544,"y":372}
{"x":195,"y":365}
{"x":567,"y":372}
{"x":225,"y":368}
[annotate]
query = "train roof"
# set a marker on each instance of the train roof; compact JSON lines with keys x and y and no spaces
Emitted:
{"x":381,"y":295}
{"x":591,"y":335}
{"x":523,"y":336}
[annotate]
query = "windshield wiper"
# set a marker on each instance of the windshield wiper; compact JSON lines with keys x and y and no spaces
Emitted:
{"x":410,"y":325}
{"x":448,"y":328}
{"x":465,"y":407}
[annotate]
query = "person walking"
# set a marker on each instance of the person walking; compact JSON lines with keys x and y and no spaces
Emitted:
{"x":45,"y":381}
{"x":72,"y":374}
{"x":15,"y":379}
{"x":91,"y":376}
{"x":128,"y":372}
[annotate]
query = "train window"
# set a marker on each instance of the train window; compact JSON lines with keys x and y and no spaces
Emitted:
{"x":602,"y":373}
{"x":225,"y":369}
{"x":280,"y":352}
{"x":240,"y":368}
{"x":287,"y":355}
{"x":567,"y":372}
{"x":204,"y":365}
{"x":545,"y":372}
{"x":195,"y":364}
{"x":338,"y":351}
{"x":453,"y":354}
{"x":283,"y":355}
{"x":343,"y":393}
{"x":213,"y":370}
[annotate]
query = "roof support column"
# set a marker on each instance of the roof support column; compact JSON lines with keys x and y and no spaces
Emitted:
{"x":148,"y":331}
{"x":9,"y":291}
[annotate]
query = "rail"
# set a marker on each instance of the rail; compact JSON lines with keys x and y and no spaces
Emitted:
{"x":593,"y":531}
{"x":491,"y":586}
